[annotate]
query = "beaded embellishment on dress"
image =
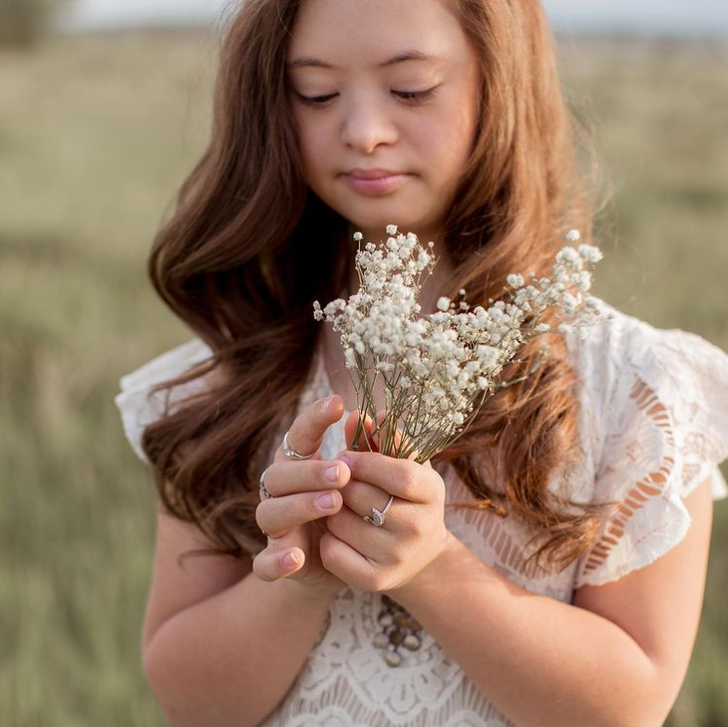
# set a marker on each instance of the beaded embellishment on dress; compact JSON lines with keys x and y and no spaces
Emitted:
{"x":399,"y":630}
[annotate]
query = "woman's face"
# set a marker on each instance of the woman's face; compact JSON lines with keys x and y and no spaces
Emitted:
{"x":369,"y":108}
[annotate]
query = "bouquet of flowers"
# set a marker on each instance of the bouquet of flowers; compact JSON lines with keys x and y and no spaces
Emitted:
{"x":437,"y":370}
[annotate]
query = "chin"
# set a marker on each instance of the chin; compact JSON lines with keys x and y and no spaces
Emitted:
{"x":375,"y":223}
{"x":371,"y":216}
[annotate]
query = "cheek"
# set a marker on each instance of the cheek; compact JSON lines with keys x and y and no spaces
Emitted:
{"x":311,"y":142}
{"x":447,"y":143}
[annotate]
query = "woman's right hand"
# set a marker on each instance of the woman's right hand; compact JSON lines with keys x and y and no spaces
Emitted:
{"x":294,"y":518}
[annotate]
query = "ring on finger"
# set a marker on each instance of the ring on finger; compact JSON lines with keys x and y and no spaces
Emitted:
{"x":263,"y":489}
{"x":291,"y":453}
{"x":377,"y":516}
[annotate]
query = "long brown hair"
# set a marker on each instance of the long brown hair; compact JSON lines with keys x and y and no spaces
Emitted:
{"x":231,"y":263}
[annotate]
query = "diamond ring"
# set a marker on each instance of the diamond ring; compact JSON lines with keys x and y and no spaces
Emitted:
{"x":377,"y":517}
{"x":288,"y":451}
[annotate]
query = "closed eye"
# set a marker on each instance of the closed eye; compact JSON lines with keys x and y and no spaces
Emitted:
{"x":415,"y":97}
{"x":314,"y":100}
{"x":410,"y":98}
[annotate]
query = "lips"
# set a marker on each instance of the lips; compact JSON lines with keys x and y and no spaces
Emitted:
{"x":375,"y":182}
{"x":372,"y":173}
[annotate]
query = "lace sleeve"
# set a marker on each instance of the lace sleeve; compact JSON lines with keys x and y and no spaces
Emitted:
{"x":666,"y":432}
{"x":138,"y":407}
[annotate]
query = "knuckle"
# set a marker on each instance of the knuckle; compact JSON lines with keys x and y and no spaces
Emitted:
{"x":375,"y":581}
{"x":260,"y":567}
{"x":269,"y":519}
{"x":278,"y":534}
{"x":326,"y":552}
{"x":260,"y":514}
{"x":417,"y":524}
{"x":398,"y":558}
{"x":408,"y":483}
{"x":270,"y":477}
{"x":263,"y":512}
{"x":411,"y":523}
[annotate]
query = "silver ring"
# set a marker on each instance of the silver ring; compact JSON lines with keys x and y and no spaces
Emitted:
{"x":263,"y":489}
{"x":288,"y":451}
{"x":377,"y":518}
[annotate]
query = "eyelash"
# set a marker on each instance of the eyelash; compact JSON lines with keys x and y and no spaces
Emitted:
{"x":409,"y":98}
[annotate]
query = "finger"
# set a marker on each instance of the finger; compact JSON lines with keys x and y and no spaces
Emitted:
{"x":402,"y":478}
{"x":361,"y":497}
{"x":347,"y":563}
{"x":278,"y":516}
{"x":376,"y":543}
{"x":287,"y":477}
{"x":270,"y":565}
{"x":309,"y":427}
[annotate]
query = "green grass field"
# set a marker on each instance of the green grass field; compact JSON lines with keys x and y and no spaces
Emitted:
{"x":96,"y":133}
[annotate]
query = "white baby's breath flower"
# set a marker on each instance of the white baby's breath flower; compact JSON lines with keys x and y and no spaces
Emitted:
{"x":568,"y":255}
{"x":358,"y":236}
{"x":590,"y":254}
{"x":438,"y":369}
{"x":573,"y":235}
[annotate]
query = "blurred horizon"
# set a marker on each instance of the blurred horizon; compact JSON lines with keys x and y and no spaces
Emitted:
{"x":701,"y":18}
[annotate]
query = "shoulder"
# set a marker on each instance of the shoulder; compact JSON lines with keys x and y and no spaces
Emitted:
{"x":657,"y":402}
{"x":139,"y":405}
{"x":623,"y":362}
{"x":166,"y":365}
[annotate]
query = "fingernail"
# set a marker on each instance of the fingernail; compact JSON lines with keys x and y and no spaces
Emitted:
{"x":290,"y":559}
{"x":326,"y":501}
{"x":327,"y":403}
{"x":348,"y":461}
{"x":332,"y":473}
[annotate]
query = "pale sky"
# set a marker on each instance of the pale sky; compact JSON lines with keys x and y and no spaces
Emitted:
{"x":691,"y":16}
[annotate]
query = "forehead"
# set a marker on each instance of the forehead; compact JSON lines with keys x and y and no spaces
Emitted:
{"x":375,"y":33}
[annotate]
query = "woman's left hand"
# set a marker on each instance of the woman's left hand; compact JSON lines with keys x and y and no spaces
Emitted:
{"x":413,"y":534}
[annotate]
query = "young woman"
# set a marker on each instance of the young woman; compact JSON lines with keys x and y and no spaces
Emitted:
{"x":549,"y":568}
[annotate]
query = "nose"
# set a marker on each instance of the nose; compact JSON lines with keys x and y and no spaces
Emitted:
{"x":368,"y":124}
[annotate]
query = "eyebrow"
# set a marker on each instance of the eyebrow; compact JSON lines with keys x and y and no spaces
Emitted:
{"x":409,"y":55}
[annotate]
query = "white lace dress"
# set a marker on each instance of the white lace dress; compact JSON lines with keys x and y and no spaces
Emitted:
{"x":654,"y":425}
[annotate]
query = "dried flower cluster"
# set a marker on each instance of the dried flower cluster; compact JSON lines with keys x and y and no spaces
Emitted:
{"x":437,"y":370}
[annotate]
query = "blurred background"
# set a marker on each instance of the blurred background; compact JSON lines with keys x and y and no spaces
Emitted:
{"x":104,"y":108}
